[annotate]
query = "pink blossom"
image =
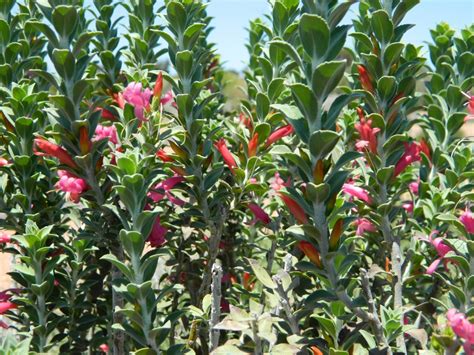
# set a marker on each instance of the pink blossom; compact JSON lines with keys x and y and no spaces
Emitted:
{"x":462,"y":328}
{"x":157,"y":235}
{"x":156,"y":195}
{"x":356,"y":191}
{"x":364,"y":225}
{"x":138,"y":98}
{"x":167,"y":98}
{"x":4,"y":325}
{"x":412,"y":154}
{"x":4,"y":162}
{"x":259,"y":213}
{"x":441,"y":249}
{"x":6,"y":306}
{"x":467,"y":218}
{"x":414,"y":187}
{"x":408,"y":206}
{"x":252,"y":181}
{"x":71,"y":184}
{"x":277,"y":183}
{"x":106,"y":132}
{"x":104,"y":348}
{"x":4,"y":238}
{"x":367,"y":133}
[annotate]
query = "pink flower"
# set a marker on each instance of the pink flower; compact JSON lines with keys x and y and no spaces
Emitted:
{"x":104,"y":348}
{"x":259,"y":213}
{"x":4,"y":162}
{"x":277,"y":183}
{"x":252,"y":181}
{"x":408,"y":206}
{"x":71,"y":184}
{"x":462,"y":328}
{"x":441,"y":248}
{"x":367,"y":134}
{"x":414,"y":187}
{"x":6,"y":306}
{"x":167,"y":98}
{"x":4,"y":325}
{"x":364,"y":225}
{"x":4,"y":238}
{"x":165,"y":186}
{"x":467,"y":218}
{"x":470,"y":105}
{"x":139,"y":99}
{"x":106,"y":132}
{"x":157,"y":235}
{"x":356,"y":191}
{"x":412,"y":154}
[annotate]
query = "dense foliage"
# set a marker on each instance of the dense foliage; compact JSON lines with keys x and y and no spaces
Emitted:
{"x":327,"y":212}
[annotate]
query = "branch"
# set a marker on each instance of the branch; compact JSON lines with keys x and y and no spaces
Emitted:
{"x":375,"y":321}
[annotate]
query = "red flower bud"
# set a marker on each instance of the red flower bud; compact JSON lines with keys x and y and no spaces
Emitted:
{"x":44,"y":147}
{"x":84,"y":141}
{"x":295,"y":209}
{"x":253,"y":145}
{"x":158,"y":86}
{"x":311,"y":252}
{"x":364,"y":78}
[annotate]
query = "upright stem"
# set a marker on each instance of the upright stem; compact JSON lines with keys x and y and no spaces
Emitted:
{"x":215,"y":306}
{"x":118,"y":337}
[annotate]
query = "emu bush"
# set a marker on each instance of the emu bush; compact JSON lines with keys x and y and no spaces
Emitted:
{"x":329,"y":212}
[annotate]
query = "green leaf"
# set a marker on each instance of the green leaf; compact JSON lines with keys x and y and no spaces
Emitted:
{"x":387,"y":87}
{"x":306,"y":101}
{"x":321,"y":143}
{"x":382,"y":26}
{"x":263,"y":106}
{"x":64,"y":20}
{"x":314,"y":33}
{"x":261,"y":274}
{"x":119,"y":265}
{"x":326,"y":77}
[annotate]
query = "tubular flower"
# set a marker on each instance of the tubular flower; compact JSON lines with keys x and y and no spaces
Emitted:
{"x":279,"y":134}
{"x":106,"y":132}
{"x":4,"y":162}
{"x":470,"y":107}
{"x":84,"y":142}
{"x":221,"y":146}
{"x":356,"y":191}
{"x":295,"y":209}
{"x":311,"y":252}
{"x":157,"y":235}
{"x":71,"y":184}
{"x":165,"y":186}
{"x":462,"y":328}
{"x":253,"y":145}
{"x":467,"y":219}
{"x":42,"y":147}
{"x":364,"y":78}
{"x":367,"y":134}
{"x":163,"y":156}
{"x":441,"y":249}
{"x":247,"y":121}
{"x":259,"y":213}
{"x":6,"y":306}
{"x":363,"y":226}
{"x":412,"y":154}
{"x":138,"y":98}
{"x":119,"y":99}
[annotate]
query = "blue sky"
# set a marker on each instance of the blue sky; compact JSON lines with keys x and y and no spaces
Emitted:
{"x":231,"y":17}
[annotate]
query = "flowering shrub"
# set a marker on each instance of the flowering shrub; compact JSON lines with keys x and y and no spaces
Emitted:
{"x":329,"y":212}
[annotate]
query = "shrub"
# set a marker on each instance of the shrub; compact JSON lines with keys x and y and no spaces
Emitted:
{"x":150,"y":209}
